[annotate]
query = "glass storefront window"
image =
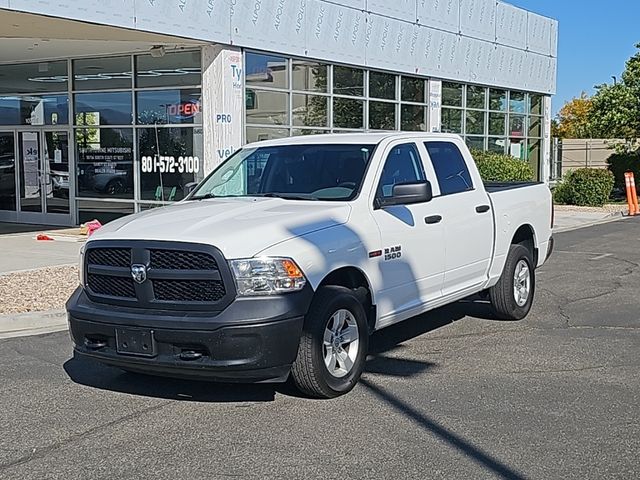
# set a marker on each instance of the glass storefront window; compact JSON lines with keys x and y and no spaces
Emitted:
{"x":105,"y":212}
{"x":516,"y":125}
{"x":516,"y":102}
{"x":475,"y":122}
{"x":34,"y":110}
{"x":497,"y":145}
{"x":171,"y":70}
{"x":535,"y":104}
{"x":310,"y":76}
{"x":259,"y":134}
{"x":104,"y":108}
{"x":476,"y":97}
{"x":267,"y":107}
{"x":535,"y":127}
{"x":382,"y":115}
{"x":309,"y":110}
{"x":348,"y":113}
{"x":266,"y":70}
{"x":169,"y":158}
{"x":104,"y":158}
{"x":34,"y":77}
{"x":412,"y":89}
{"x":451,"y":120}
{"x":497,"y":123}
{"x":475,"y":142}
{"x":7,"y":171}
{"x":169,"y":106}
{"x":382,"y":85}
{"x":348,"y":81}
{"x":296,"y":132}
{"x":412,"y":118}
{"x":497,"y":100}
{"x":517,"y":148}
{"x":452,"y":94}
{"x":102,"y":73}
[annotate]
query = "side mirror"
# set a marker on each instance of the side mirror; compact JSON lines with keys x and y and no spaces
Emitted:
{"x":189,"y":187}
{"x":409,"y":193}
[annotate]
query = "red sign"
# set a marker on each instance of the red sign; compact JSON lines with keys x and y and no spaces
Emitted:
{"x":184,"y":109}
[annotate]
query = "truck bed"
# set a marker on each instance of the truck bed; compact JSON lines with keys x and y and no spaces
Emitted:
{"x":493,"y":187}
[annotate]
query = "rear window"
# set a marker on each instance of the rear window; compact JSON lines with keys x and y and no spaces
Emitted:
{"x":451,"y":169}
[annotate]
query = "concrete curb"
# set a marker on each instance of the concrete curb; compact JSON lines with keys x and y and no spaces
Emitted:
{"x":612,"y":217}
{"x":32,"y":323}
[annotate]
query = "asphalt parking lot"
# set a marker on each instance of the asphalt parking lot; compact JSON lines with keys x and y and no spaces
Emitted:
{"x":451,"y":394}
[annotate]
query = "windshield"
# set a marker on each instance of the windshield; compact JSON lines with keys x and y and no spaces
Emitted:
{"x":301,"y":172}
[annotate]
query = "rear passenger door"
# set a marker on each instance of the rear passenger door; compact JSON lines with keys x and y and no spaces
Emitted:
{"x":411,"y":259}
{"x":466,"y":217}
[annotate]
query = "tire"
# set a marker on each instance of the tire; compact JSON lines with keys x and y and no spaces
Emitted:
{"x":508,"y":303}
{"x":332,"y":306}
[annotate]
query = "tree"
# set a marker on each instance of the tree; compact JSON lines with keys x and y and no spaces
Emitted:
{"x":615,"y":111}
{"x":573,"y":120}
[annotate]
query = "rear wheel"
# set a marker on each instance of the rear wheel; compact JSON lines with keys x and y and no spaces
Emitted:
{"x":333,"y":345}
{"x":512,"y":296}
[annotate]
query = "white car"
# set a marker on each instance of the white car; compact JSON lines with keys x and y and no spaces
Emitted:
{"x":287,"y":257}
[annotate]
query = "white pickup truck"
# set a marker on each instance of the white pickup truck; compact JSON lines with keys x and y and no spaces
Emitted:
{"x":284,"y":260}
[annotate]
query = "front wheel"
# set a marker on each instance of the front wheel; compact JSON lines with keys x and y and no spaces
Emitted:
{"x":333,"y":346}
{"x":512,"y":296}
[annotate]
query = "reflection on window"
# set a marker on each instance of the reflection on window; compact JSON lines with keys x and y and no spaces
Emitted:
{"x":170,"y":158}
{"x":7,"y":171}
{"x":475,"y":142}
{"x":497,"y":123}
{"x":451,"y":120}
{"x":34,"y":77}
{"x":497,"y":145}
{"x":382,"y":116}
{"x":535,"y":127}
{"x":171,"y":70}
{"x":259,"y":134}
{"x":382,"y":85}
{"x":105,"y":212}
{"x":310,"y":76}
{"x":516,"y":102}
{"x":105,"y":162}
{"x":413,"y":118}
{"x":348,"y":81}
{"x":413,"y":89}
{"x":452,"y":94}
{"x":169,"y":106}
{"x":309,"y":110}
{"x":498,"y":100}
{"x":348,"y":113}
{"x":266,"y":70}
{"x":516,"y":125}
{"x":107,"y":108}
{"x":403,"y":165}
{"x":34,"y":110}
{"x":476,"y":97}
{"x":451,"y":169}
{"x":267,"y":107}
{"x":535,"y":104}
{"x":102,"y":73}
{"x":475,"y":122}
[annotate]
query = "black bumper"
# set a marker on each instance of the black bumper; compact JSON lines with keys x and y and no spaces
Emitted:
{"x":252,"y":340}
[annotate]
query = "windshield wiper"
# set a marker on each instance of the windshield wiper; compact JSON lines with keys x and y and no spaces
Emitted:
{"x":284,"y":196}
{"x":206,"y":196}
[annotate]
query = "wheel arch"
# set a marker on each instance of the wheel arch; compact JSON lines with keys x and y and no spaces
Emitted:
{"x":526,"y":235}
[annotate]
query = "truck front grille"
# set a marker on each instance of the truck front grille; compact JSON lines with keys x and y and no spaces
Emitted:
{"x":178,"y":276}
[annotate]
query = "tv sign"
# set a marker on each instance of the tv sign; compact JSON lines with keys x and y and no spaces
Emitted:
{"x":184,"y":110}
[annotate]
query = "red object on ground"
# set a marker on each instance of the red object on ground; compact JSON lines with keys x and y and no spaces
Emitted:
{"x":92,"y":226}
{"x":42,"y":236}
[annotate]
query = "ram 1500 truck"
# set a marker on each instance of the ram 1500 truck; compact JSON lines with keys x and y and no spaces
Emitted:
{"x":283,"y":261}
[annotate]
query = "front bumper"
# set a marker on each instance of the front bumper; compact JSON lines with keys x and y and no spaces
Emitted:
{"x":252,"y":340}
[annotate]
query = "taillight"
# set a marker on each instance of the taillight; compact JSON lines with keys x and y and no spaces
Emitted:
{"x":553,"y":214}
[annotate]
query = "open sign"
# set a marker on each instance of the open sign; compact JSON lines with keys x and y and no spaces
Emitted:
{"x":184,"y":110}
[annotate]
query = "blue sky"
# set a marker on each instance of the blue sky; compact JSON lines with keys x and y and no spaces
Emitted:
{"x":596,"y":38}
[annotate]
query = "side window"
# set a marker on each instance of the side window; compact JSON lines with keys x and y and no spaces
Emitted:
{"x":451,"y":169}
{"x":403,"y":165}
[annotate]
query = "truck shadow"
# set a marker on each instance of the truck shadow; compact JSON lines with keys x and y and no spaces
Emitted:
{"x":96,"y":375}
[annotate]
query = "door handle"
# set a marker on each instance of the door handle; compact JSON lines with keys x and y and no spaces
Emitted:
{"x":433,"y":219}
{"x":483,"y":208}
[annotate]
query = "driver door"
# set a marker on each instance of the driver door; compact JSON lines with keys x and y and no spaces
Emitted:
{"x":412,"y":261}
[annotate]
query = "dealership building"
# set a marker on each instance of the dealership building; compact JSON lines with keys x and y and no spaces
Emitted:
{"x":110,"y":107}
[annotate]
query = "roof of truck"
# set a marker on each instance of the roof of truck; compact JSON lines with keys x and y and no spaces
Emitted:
{"x":346,"y":138}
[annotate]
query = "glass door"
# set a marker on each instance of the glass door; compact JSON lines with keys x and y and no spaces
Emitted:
{"x":44,"y":177}
{"x":8,"y":205}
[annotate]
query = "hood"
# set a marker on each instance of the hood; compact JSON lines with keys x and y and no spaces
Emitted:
{"x":239,"y":227}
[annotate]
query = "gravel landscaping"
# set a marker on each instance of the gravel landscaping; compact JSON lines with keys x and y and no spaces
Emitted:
{"x":37,"y":290}
{"x":609,"y":208}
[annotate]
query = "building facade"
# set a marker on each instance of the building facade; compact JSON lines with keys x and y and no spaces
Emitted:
{"x":116,"y":106}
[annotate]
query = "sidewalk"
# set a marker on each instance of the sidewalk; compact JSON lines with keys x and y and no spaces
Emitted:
{"x":569,"y":217}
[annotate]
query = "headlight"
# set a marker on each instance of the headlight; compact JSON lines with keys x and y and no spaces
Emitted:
{"x":81,"y":267}
{"x":267,"y":276}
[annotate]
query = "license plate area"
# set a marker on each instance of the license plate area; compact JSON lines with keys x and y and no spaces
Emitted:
{"x":135,"y":341}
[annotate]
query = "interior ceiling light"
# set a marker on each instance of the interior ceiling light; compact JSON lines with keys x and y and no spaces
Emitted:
{"x":157,"y":51}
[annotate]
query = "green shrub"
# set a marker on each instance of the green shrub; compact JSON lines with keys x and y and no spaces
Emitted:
{"x":585,"y":187}
{"x":496,"y":167}
{"x":624,"y":162}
